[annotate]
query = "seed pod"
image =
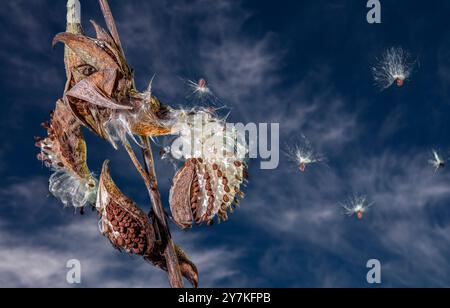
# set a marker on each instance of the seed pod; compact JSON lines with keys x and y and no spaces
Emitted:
{"x":201,"y":189}
{"x":180,"y":196}
{"x":115,"y":206}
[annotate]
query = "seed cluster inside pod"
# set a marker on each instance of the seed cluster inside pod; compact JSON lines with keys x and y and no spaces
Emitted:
{"x":127,"y":233}
{"x":122,"y":221}
{"x":204,"y":189}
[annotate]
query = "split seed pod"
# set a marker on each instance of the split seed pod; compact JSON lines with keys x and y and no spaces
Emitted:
{"x":64,"y":151}
{"x":122,"y":221}
{"x":203,"y":189}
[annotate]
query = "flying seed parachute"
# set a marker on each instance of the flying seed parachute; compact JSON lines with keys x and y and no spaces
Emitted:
{"x":303,"y":154}
{"x":395,"y":66}
{"x":356,"y":205}
{"x":200,"y":92}
{"x":437,"y":161}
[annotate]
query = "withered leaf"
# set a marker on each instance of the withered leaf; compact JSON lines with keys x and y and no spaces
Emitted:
{"x":187,"y":267}
{"x":102,"y":34}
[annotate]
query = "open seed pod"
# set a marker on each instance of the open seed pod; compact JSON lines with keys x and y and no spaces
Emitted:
{"x":210,"y":182}
{"x":122,"y":221}
{"x":64,"y":151}
{"x":203,"y":189}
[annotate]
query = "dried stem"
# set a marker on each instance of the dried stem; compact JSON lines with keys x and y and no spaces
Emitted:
{"x":175,"y":277}
{"x":110,"y":22}
{"x":149,"y":176}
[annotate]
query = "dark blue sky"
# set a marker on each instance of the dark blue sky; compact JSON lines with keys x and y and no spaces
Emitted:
{"x":303,"y":64}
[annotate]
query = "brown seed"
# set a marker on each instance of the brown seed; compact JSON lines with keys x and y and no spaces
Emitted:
{"x":45,"y":125}
{"x":237,"y":163}
{"x":209,"y":193}
{"x":194,"y":199}
{"x":211,"y":199}
{"x":120,"y":242}
{"x":215,"y":167}
{"x":200,"y":160}
{"x":207,"y":176}
{"x":194,"y":161}
{"x":219,"y":173}
{"x":226,"y":189}
{"x":226,"y":198}
{"x":225,"y":181}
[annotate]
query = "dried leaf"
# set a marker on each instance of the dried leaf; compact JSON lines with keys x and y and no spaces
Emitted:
{"x":187,"y":267}
{"x":102,"y":34}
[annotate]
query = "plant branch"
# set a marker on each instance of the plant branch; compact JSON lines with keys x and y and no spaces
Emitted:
{"x":149,"y":176}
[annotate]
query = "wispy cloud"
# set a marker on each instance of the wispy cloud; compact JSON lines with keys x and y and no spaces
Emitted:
{"x":34,"y":252}
{"x":399,"y":229}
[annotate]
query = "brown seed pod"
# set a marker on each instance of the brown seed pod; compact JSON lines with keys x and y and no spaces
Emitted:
{"x":114,"y":206}
{"x":211,"y":192}
{"x":180,"y":196}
